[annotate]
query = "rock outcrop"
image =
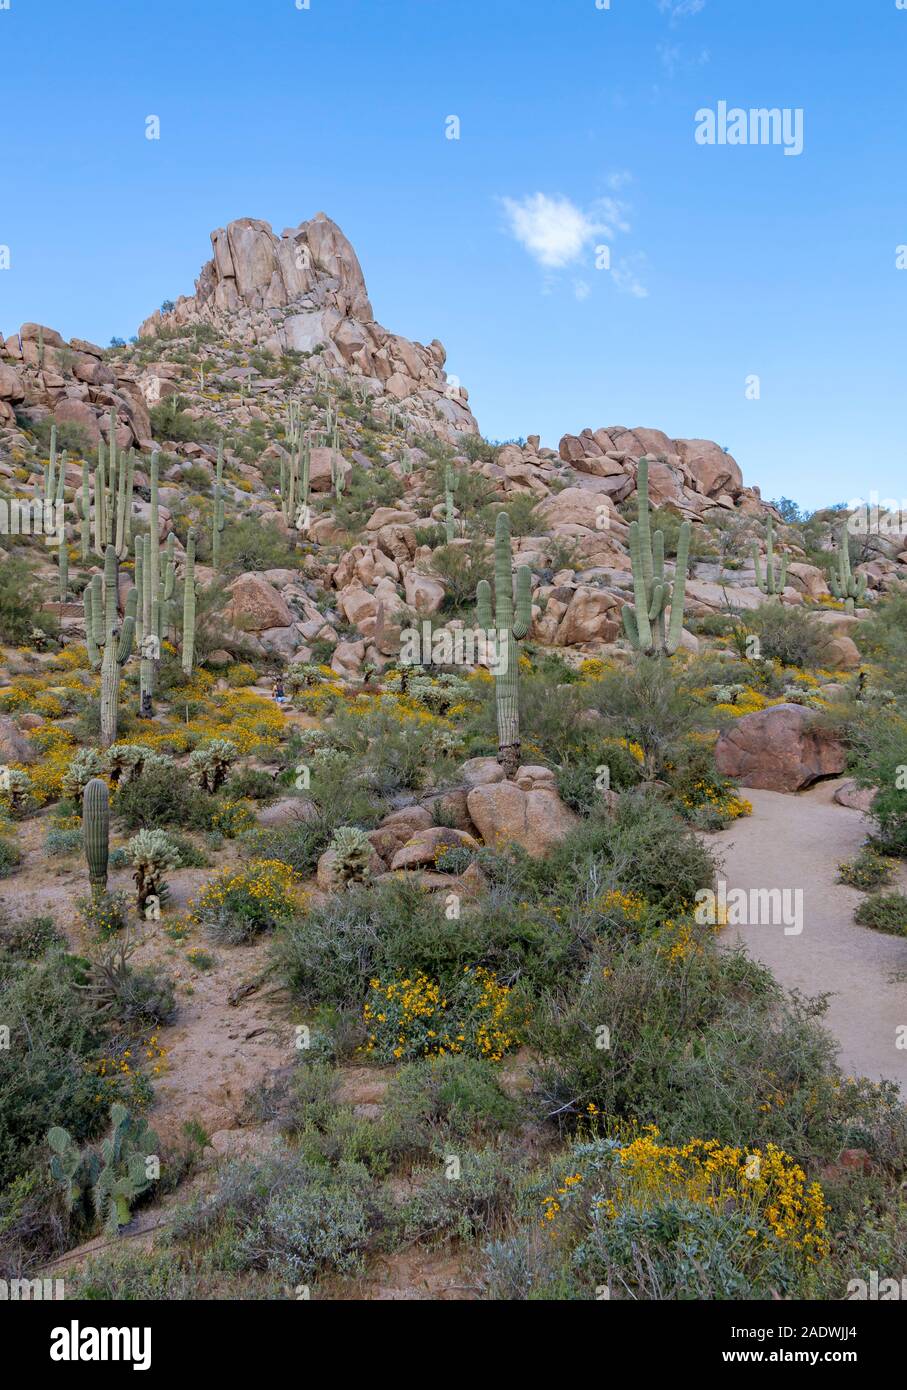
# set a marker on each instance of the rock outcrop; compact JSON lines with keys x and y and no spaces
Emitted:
{"x":304,"y":291}
{"x":779,"y":749}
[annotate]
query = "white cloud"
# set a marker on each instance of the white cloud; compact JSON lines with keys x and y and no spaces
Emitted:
{"x":582,"y":289}
{"x":626,"y":278}
{"x":555,"y":231}
{"x":681,"y":9}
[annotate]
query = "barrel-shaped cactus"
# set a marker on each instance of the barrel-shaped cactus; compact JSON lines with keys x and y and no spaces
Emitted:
{"x":507,"y":625}
{"x":644,"y":621}
{"x":96,"y":832}
{"x":772,"y":582}
{"x":843,"y":583}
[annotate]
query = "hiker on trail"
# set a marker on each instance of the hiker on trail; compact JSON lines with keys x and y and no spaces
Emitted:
{"x":278,"y":691}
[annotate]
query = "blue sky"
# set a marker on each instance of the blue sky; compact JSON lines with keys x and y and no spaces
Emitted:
{"x":577,"y":130}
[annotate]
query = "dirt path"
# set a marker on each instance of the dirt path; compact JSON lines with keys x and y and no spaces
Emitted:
{"x":797,"y":842}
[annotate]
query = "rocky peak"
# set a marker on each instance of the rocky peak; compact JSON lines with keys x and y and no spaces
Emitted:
{"x":304,"y":291}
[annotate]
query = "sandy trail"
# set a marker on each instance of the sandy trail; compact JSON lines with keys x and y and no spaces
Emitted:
{"x":797,"y":841}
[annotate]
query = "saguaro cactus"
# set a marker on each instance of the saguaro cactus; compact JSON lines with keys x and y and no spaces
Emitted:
{"x":449,"y":524}
{"x":217,"y":520}
{"x":644,"y":621}
{"x":109,"y":642}
{"x":845,"y":584}
{"x":96,"y":832}
{"x":770,"y":582}
{"x":189,"y":605}
{"x":510,"y":627}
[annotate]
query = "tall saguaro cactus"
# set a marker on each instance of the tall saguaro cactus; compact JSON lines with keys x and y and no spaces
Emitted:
{"x":845,"y":584}
{"x":96,"y":832}
{"x":189,"y":605}
{"x":217,"y":520}
{"x":449,"y":524}
{"x":510,"y":624}
{"x":771,"y":582}
{"x":109,"y":642}
{"x":644,"y":621}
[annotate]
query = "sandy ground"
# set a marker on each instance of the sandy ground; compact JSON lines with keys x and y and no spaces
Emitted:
{"x":797,"y":841}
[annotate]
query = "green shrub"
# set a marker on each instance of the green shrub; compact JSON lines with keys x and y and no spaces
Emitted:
{"x":787,"y":634}
{"x":284,"y":1215}
{"x":443,"y":1101}
{"x":868,"y":870}
{"x":21,"y":600}
{"x":157,"y":798}
{"x":885,"y":912}
{"x":10,"y":857}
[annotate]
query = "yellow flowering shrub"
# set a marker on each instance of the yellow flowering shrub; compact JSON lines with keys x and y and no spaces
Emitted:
{"x":767,"y":1187}
{"x":240,"y":903}
{"x":418,"y":1018}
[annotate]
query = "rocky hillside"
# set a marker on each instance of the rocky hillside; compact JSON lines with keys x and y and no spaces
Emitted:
{"x":284,"y":324}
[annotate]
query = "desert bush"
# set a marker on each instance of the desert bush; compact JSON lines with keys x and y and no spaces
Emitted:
{"x":119,"y":993}
{"x":156,"y":798}
{"x":472,"y":1208}
{"x":21,"y":600}
{"x":285,"y":1215}
{"x":419,"y":1017}
{"x":239,"y":904}
{"x":249,"y":783}
{"x":10,"y":857}
{"x":879,"y":752}
{"x":786,"y":634}
{"x":644,"y":848}
{"x":443,"y":1101}
{"x":248,"y":545}
{"x":885,"y":912}
{"x":647,"y":706}
{"x":30,"y":937}
{"x":460,"y":568}
{"x":45,"y":1074}
{"x":868,"y":870}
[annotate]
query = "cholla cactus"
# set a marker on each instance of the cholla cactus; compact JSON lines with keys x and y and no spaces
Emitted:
{"x":104,"y":634}
{"x":209,"y":764}
{"x":151,"y":853}
{"x":770,"y":583}
{"x":510,"y":626}
{"x":86,"y":764}
{"x":124,"y":761}
{"x":644,"y":621}
{"x":845,"y":584}
{"x":15,"y":789}
{"x":353,"y":852}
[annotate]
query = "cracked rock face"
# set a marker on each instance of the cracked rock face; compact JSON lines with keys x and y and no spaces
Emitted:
{"x":304,"y":291}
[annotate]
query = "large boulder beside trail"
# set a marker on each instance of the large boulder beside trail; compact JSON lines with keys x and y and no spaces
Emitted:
{"x":779,"y":749}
